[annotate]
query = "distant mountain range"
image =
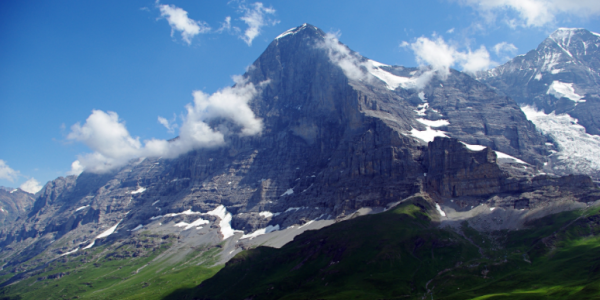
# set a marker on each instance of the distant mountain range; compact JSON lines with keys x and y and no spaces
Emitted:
{"x":455,"y":162}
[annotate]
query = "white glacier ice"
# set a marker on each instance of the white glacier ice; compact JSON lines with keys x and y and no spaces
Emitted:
{"x":579,"y":152}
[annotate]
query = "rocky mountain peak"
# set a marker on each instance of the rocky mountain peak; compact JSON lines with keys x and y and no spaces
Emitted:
{"x":572,"y":43}
{"x":303,"y":30}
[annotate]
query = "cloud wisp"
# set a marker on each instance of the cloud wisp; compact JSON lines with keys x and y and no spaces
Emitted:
{"x":179,"y":21}
{"x":256,"y":17}
{"x":113,"y":145}
{"x":31,"y":185}
{"x":169,"y":125}
{"x":533,"y":13}
{"x":7,"y":172}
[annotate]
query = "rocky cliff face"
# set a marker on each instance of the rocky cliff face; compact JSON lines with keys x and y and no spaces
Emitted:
{"x":14,"y":204}
{"x":463,"y":178}
{"x":332,"y":143}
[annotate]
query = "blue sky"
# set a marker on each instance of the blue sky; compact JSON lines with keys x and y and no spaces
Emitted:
{"x":61,"y":60}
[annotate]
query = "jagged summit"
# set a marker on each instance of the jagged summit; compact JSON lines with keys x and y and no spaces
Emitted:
{"x":304,"y":28}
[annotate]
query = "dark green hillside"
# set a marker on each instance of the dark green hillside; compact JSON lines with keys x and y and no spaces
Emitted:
{"x":401,"y":254}
{"x":389,"y":255}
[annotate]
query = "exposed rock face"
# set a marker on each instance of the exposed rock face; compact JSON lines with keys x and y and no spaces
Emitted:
{"x":14,"y":203}
{"x":567,"y":56}
{"x":470,"y":178}
{"x":331,"y":144}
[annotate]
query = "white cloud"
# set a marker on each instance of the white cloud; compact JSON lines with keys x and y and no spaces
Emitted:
{"x":342,"y":56}
{"x":534,"y":13}
{"x":31,"y":186}
{"x":255,"y":16}
{"x":440,"y":57}
{"x":504,"y":47}
{"x":178,"y":19}
{"x":435,"y":53}
{"x":451,"y":30}
{"x":226,"y":26}
{"x":76,"y":168}
{"x":113,"y":146}
{"x":7,"y":172}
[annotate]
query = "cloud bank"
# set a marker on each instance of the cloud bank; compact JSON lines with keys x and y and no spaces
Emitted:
{"x":533,"y":13}
{"x":435,"y":58}
{"x":440,"y":56}
{"x":113,"y":145}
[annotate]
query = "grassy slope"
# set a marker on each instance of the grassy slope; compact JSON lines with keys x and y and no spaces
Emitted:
{"x":395,"y":255}
{"x":102,"y":273}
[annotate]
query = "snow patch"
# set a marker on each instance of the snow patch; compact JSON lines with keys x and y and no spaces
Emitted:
{"x":82,"y":207}
{"x":439,"y":209}
{"x":187,"y":213}
{"x":70,"y":252}
{"x":307,"y":223}
{"x":196,"y":224}
{"x":155,"y":202}
{"x":291,"y":31}
{"x":108,"y":231}
{"x":259,"y":232}
{"x":560,"y":89}
{"x":502,"y":155}
{"x":392,"y":81}
{"x":427,"y":135}
{"x":138,"y":191}
{"x":137,"y":227}
{"x":538,"y":76}
{"x":499,"y":155}
{"x":474,"y":147}
{"x":436,"y":123}
{"x":225,"y":223}
{"x":267,"y":214}
{"x":90,"y":245}
{"x":288,"y":192}
{"x":293,"y":209}
{"x":422,"y":109}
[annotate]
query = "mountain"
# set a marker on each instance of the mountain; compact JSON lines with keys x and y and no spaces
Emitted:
{"x":342,"y":136}
{"x":559,"y":82}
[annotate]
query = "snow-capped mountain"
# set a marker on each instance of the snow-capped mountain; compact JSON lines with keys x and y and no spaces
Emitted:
{"x":341,"y":135}
{"x":559,"y":82}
